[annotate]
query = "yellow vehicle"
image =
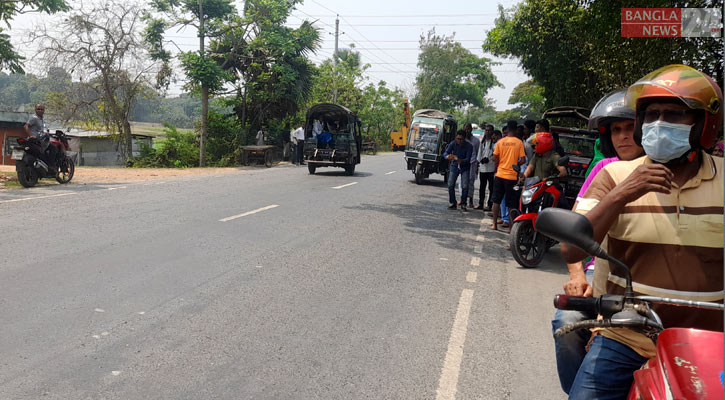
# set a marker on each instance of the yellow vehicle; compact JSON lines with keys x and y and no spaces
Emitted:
{"x":399,"y":138}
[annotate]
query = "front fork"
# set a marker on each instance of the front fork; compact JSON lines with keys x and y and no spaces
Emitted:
{"x":533,"y":240}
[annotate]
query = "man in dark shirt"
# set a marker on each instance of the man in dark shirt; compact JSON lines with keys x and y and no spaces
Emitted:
{"x":459,"y":154}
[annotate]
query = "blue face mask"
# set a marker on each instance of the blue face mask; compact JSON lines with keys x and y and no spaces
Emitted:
{"x":664,"y":141}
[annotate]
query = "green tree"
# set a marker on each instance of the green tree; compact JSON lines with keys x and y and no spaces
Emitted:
{"x":573,"y":49}
{"x":268,"y":62}
{"x":528,"y":97}
{"x":204,"y":76}
{"x":343,"y":79}
{"x":9,"y":58}
{"x":450,"y":77}
{"x":381,"y":111}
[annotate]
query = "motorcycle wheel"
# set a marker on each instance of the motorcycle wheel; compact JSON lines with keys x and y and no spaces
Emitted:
{"x":513,"y":214}
{"x":26,"y":176}
{"x":311,"y":168}
{"x":350,"y":170}
{"x":526,"y":252}
{"x":65,"y":177}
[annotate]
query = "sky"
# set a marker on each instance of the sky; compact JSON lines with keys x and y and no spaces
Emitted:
{"x":385,"y":32}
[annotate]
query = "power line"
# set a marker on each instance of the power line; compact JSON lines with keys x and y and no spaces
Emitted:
{"x":372,"y":54}
{"x":410,"y":15}
{"x":423,"y":25}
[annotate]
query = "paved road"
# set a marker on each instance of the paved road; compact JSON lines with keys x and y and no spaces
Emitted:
{"x":268,"y":284}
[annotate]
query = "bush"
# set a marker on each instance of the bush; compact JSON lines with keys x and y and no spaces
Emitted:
{"x":179,"y":150}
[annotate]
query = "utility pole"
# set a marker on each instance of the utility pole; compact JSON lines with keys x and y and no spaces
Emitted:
{"x":334,"y":57}
{"x":204,"y":94}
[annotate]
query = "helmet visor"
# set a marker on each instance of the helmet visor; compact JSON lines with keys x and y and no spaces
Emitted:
{"x":689,"y":85}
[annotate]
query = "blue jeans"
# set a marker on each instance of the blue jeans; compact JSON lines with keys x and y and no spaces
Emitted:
{"x":504,"y":211}
{"x":607,"y":371}
{"x":452,"y":176}
{"x":570,"y":349}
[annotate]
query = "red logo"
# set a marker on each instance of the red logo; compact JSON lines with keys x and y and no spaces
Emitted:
{"x":651,"y":22}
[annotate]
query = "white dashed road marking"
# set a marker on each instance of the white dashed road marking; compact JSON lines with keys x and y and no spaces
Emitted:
{"x":249,"y":213}
{"x":118,"y":187}
{"x":447,"y":386}
{"x":38,"y":197}
{"x":479,"y":238}
{"x":390,"y":173}
{"x":476,"y":261}
{"x":478,"y":249}
{"x":342,"y":186}
{"x":472,"y":276}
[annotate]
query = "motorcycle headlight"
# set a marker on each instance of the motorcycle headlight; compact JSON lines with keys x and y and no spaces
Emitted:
{"x":527,"y":195}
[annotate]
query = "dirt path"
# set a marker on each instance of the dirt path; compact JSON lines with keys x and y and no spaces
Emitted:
{"x":89,"y":175}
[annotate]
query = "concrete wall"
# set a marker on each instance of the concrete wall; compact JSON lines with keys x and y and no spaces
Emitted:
{"x":103,"y":151}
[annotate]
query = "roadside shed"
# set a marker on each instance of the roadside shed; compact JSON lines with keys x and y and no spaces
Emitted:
{"x":99,"y":149}
{"x":11,"y":128}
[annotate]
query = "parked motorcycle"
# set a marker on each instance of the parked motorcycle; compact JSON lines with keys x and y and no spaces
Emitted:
{"x":528,"y":246}
{"x":688,"y":362}
{"x":32,"y":163}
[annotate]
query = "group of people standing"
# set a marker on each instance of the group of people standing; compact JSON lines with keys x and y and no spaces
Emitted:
{"x":499,"y":159}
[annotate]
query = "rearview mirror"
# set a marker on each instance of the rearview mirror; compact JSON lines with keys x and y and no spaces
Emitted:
{"x":563,"y":161}
{"x":568,"y":227}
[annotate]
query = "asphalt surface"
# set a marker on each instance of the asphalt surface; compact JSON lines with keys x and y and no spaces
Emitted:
{"x":268,"y":284}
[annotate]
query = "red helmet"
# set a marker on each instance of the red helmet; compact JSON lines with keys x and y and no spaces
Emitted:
{"x":544,"y":142}
{"x":688,"y":85}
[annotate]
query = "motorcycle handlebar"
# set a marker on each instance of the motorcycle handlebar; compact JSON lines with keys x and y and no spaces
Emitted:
{"x":577,"y":303}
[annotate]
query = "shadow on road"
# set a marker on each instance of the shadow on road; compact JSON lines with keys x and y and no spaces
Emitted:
{"x":341,"y":172}
{"x":430,"y":217}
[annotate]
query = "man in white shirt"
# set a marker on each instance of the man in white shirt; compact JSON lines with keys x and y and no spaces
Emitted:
{"x":299,"y":135}
{"x":487,"y":169}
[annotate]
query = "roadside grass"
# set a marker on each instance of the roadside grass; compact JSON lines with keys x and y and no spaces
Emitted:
{"x":9,"y":180}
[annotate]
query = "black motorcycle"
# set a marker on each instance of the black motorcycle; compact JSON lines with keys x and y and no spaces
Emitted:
{"x":45,"y":157}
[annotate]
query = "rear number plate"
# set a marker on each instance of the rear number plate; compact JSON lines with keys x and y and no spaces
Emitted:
{"x":17,"y":155}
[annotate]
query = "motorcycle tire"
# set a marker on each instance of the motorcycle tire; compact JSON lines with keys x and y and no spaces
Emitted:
{"x":65,"y":177}
{"x":527,"y":253}
{"x":26,"y":176}
{"x":350,"y":170}
{"x":311,"y":168}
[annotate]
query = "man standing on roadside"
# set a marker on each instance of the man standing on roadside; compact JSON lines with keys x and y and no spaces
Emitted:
{"x":487,"y":169}
{"x":293,"y":144}
{"x":299,"y":135}
{"x":459,"y":154}
{"x":475,"y":143}
{"x":509,"y":151}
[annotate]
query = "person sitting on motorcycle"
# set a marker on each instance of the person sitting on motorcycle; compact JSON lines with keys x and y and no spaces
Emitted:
{"x":663,"y":216}
{"x":615,"y":122}
{"x":35,"y":127}
{"x":545,"y":162}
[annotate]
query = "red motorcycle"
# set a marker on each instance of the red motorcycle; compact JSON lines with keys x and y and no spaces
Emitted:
{"x":35,"y":159}
{"x":528,"y":246}
{"x":688,"y":362}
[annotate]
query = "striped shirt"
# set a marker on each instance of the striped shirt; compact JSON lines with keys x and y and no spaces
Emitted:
{"x":673,"y":244}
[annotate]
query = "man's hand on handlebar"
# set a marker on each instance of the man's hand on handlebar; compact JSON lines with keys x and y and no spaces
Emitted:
{"x":578,"y":286}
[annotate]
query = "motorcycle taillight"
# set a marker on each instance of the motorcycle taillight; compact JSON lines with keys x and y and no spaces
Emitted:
{"x":22,"y":141}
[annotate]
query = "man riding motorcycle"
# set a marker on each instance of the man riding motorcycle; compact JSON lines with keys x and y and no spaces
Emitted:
{"x":614,"y":120}
{"x":662,"y":215}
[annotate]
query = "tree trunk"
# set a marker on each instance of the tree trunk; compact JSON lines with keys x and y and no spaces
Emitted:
{"x":128,"y":139}
{"x":204,"y":116}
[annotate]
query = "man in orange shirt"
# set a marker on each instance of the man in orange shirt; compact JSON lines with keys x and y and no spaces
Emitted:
{"x":509,"y":151}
